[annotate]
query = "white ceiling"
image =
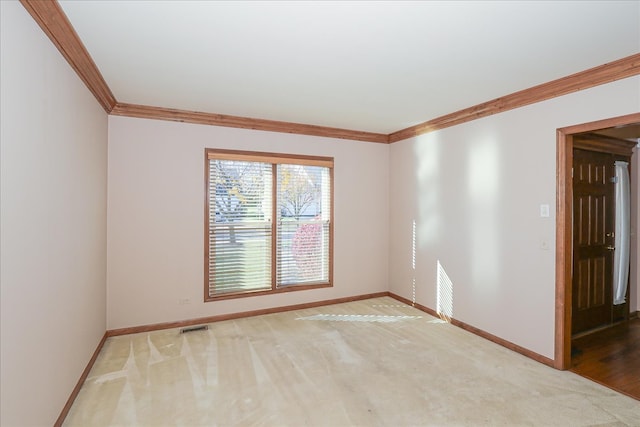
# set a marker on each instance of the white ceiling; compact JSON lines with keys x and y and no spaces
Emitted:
{"x":363,"y":65}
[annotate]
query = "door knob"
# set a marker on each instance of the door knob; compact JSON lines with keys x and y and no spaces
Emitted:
{"x":610,"y":248}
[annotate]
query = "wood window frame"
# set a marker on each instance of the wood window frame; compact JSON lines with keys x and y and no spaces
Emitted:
{"x":274,"y":159}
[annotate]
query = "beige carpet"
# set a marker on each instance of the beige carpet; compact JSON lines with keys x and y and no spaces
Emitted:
{"x":368,"y":363}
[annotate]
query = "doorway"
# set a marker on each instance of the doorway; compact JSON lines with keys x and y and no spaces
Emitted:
{"x":625,"y":128}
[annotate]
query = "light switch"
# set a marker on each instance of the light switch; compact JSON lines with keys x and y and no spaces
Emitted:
{"x":544,"y":211}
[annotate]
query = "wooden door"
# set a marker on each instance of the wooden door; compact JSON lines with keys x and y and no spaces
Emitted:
{"x":593,"y":225}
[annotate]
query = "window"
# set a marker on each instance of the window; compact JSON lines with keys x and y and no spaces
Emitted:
{"x":269,"y":223}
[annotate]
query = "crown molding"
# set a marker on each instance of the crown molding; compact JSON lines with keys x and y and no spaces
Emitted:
{"x":53,"y":21}
{"x":55,"y":24}
{"x":612,"y":71}
{"x":175,"y":115}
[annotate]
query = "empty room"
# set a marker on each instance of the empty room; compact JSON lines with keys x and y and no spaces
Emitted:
{"x":350,"y":213}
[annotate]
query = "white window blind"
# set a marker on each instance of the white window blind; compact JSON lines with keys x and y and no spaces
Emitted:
{"x":269,"y":222}
{"x":240,"y":235}
{"x":303,"y":224}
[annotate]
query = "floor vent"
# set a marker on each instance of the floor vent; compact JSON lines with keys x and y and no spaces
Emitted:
{"x":194,"y":328}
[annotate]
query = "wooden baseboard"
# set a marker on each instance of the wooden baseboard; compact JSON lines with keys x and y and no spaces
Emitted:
{"x":83,"y":377}
{"x":420,"y":307}
{"x":476,"y":331}
{"x":230,"y":316}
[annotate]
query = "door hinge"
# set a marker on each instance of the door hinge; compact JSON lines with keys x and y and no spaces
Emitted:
{"x":613,"y":179}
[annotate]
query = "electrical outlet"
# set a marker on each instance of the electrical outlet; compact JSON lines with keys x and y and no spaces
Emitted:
{"x":184,"y":301}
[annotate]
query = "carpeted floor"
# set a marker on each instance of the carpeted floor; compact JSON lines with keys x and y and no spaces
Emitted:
{"x":367,"y":363}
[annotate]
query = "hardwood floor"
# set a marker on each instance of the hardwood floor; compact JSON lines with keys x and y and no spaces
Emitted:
{"x":611,"y":357}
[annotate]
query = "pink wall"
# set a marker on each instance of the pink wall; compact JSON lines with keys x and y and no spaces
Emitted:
{"x":156,"y":218}
{"x":53,"y":240}
{"x":474,"y":192}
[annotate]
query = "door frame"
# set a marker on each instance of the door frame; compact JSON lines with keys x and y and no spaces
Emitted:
{"x":564,"y":230}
